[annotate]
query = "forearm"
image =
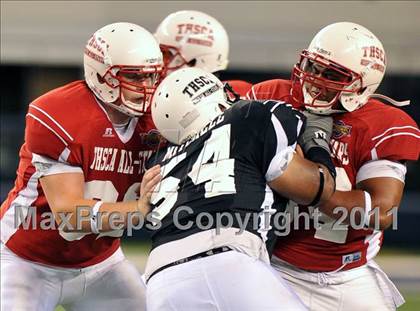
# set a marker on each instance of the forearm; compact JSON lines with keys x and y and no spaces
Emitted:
{"x":301,"y":182}
{"x":109,"y":216}
{"x":329,"y":185}
{"x":343,"y":202}
{"x":354,"y":206}
{"x":74,"y":213}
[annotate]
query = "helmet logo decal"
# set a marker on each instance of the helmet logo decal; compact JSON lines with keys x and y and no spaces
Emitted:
{"x":195,"y":85}
{"x":97,"y":44}
{"x":322,"y":51}
{"x":205,"y":34}
{"x":375,"y":54}
{"x":153,"y":60}
{"x":206,"y":93}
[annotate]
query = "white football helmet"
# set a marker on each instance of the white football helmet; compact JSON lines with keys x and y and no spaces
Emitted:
{"x":193,"y":39}
{"x":185,"y":102}
{"x":344,"y":64}
{"x":123,"y":56}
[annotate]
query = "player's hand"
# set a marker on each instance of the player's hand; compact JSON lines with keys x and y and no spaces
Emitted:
{"x":317,"y":132}
{"x":315,"y":140}
{"x":150,"y":179}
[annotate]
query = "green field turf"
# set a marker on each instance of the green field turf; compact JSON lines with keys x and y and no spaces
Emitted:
{"x":412,"y":302}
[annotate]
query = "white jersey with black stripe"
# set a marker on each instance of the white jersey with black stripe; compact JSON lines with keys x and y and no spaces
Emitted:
{"x":223,"y":170}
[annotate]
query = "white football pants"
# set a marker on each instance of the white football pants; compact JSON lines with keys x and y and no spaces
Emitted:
{"x":113,"y":284}
{"x":366,"y":288}
{"x":226,"y":281}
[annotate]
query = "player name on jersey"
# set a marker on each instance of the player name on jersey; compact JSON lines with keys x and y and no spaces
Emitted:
{"x":175,"y":149}
{"x":105,"y":159}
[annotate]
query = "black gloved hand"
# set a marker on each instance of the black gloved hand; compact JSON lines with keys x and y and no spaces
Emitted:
{"x":316,"y":138}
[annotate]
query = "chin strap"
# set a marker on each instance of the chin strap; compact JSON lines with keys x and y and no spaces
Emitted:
{"x":390,"y":100}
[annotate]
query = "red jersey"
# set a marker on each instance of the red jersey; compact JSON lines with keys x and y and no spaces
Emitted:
{"x":375,"y":131}
{"x":69,"y":126}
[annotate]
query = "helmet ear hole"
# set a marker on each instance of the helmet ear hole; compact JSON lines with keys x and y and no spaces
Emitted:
{"x":167,"y":116}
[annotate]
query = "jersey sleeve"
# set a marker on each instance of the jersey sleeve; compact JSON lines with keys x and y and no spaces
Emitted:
{"x":46,"y":166}
{"x":381,"y":168}
{"x":46,"y":138}
{"x":394,"y":136}
{"x":283,"y":129}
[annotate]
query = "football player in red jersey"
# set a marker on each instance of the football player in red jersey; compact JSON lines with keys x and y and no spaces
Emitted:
{"x":331,"y":266}
{"x":195,"y":39}
{"x":85,"y":148}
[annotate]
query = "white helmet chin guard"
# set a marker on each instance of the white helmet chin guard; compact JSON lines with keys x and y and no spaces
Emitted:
{"x":344,"y":64}
{"x":185,"y":102}
{"x":123,"y":58}
{"x":193,"y":39}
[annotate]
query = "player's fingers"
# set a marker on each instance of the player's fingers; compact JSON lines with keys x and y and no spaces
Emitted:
{"x":154,"y":182}
{"x":148,"y":177}
{"x":151,"y":182}
{"x":151,"y":173}
{"x":156,"y":167}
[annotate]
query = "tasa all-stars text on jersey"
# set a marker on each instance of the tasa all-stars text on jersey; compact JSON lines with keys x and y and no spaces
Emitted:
{"x":105,"y":159}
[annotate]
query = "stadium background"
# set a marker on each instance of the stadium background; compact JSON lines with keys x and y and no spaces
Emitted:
{"x":42,"y":47}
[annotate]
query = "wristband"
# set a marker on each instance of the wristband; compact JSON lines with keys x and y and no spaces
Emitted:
{"x":93,"y":218}
{"x":368,"y":209}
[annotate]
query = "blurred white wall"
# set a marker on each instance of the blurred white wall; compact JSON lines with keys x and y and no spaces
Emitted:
{"x":263,"y":34}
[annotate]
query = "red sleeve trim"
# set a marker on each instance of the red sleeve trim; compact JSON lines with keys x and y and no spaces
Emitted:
{"x":406,"y":128}
{"x":53,"y":120}
{"x":48,"y":127}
